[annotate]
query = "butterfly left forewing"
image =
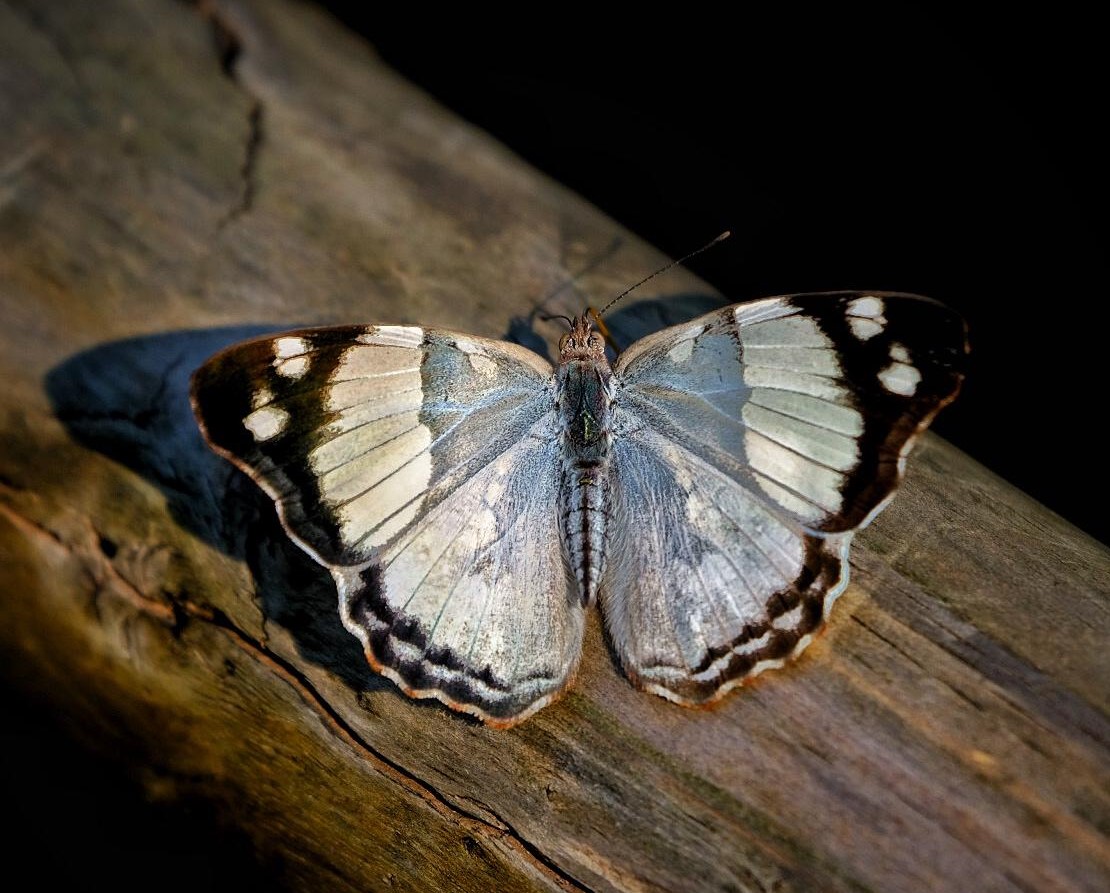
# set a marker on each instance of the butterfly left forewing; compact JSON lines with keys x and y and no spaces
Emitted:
{"x":749,"y":445}
{"x":356,"y":430}
{"x":410,"y":462}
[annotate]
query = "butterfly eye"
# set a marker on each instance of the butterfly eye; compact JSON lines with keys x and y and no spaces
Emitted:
{"x":596,"y":341}
{"x":563,"y":342}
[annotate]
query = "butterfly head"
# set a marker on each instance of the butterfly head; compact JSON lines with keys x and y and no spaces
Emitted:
{"x":583,"y":341}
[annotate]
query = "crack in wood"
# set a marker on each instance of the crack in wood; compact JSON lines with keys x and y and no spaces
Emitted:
{"x":229,"y":46}
{"x":913,"y":660}
{"x":174,"y":615}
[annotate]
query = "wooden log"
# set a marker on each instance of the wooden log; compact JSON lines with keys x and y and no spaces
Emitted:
{"x":174,"y":178}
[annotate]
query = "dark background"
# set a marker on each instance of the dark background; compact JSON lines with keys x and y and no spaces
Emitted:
{"x":911,"y":148}
{"x":901,"y":147}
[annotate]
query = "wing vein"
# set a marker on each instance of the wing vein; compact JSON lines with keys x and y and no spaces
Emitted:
{"x":377,"y":483}
{"x":408,"y":370}
{"x":670,"y":616}
{"x":815,"y":373}
{"x":431,"y":565}
{"x":363,"y":401}
{"x":447,"y":600}
{"x":839,"y":472}
{"x":708,"y":597}
{"x":798,"y":418}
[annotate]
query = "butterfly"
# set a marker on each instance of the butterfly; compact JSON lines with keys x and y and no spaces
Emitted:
{"x":472,"y":501}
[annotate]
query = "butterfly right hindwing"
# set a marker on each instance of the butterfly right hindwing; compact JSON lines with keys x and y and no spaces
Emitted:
{"x":719,"y":586}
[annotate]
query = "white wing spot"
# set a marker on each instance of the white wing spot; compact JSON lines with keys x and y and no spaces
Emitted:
{"x":865,"y":317}
{"x":764,"y":665}
{"x":789,"y":620}
{"x":294,"y":367}
{"x":469,"y":347}
{"x":868,"y":307}
{"x":899,"y":354}
{"x":476,"y":355}
{"x":483,"y":365}
{"x":751,"y":645}
{"x":266,"y":423}
{"x":864,"y":328}
{"x":289,"y":356}
{"x":900,"y":378}
{"x":290,"y":346}
{"x":261,"y":397}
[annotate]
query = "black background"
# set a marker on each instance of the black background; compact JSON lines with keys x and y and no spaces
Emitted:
{"x":901,"y":147}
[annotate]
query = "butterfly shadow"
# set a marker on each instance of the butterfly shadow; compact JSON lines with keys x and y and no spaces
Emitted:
{"x":129,"y":400}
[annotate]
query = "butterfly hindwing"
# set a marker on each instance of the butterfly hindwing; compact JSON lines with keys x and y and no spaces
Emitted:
{"x":749,"y":445}
{"x":415,"y":464}
{"x":718,"y":586}
{"x":473,"y":603}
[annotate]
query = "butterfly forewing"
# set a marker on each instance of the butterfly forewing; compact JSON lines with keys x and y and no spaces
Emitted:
{"x":812,"y":400}
{"x":419,"y":467}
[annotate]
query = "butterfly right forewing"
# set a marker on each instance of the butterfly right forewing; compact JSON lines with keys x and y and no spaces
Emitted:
{"x":812,"y":400}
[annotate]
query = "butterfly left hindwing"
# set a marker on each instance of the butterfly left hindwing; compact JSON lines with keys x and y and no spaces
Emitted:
{"x":420,"y":468}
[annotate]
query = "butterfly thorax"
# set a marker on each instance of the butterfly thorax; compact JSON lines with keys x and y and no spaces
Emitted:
{"x":583,"y":395}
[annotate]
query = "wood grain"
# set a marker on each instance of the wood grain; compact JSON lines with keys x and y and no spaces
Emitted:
{"x":174,"y":178}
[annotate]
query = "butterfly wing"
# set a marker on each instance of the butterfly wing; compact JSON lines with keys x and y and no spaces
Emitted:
{"x":749,"y":445}
{"x":421,"y":468}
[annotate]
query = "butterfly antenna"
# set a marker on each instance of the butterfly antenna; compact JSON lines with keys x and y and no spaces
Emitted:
{"x":674,"y":263}
{"x":547,"y":317}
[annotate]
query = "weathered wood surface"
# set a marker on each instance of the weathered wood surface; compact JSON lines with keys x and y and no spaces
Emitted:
{"x":173,"y":178}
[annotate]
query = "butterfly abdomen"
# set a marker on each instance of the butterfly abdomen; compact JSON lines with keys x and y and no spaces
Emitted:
{"x":584,"y":513}
{"x":584,"y":501}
